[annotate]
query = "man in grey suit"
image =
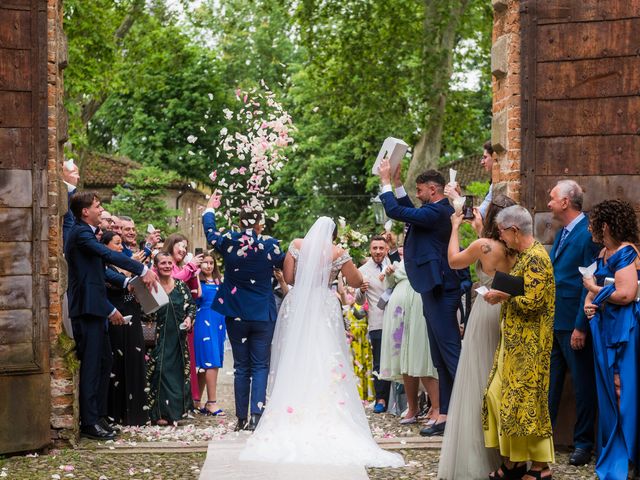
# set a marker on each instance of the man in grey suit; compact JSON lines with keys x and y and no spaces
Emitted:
{"x":572,"y":349}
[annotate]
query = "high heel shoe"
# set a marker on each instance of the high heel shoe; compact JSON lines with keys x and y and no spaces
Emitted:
{"x":537,"y":474}
{"x":514,"y":473}
{"x":216,"y":413}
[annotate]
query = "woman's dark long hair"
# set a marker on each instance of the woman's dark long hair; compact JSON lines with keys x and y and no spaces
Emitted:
{"x":216,"y":271}
{"x":108,"y":236}
{"x":489,"y":226}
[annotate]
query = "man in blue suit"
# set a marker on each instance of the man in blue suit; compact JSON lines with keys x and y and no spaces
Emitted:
{"x":572,"y":348}
{"x":246,"y":300}
{"x":89,"y":309}
{"x":425,"y":258}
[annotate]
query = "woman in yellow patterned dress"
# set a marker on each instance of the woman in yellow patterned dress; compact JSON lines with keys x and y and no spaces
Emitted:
{"x":515,"y":413}
{"x":356,"y":319}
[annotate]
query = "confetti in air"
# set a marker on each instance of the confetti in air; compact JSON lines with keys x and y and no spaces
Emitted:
{"x":251,"y":151}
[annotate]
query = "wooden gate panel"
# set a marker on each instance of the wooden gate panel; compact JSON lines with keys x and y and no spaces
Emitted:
{"x":580,"y":104}
{"x":15,"y":148}
{"x":563,"y":11}
{"x":593,"y":116}
{"x":596,"y":187}
{"x":15,"y":69}
{"x":15,"y":258}
{"x":570,"y":156}
{"x":610,"y":77}
{"x":16,"y":189}
{"x":575,"y":41}
{"x":15,"y":29}
{"x":16,"y":109}
{"x":16,"y":225}
{"x":24,"y":286}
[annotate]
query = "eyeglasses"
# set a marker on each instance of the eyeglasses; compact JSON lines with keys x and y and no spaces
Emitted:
{"x":502,"y":230}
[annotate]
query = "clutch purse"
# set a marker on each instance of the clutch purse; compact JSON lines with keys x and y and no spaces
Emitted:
{"x":510,"y":284}
{"x":149,"y":333}
{"x":611,"y":281}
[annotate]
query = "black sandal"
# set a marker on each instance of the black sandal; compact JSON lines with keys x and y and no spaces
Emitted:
{"x":537,"y":474}
{"x":514,"y":473}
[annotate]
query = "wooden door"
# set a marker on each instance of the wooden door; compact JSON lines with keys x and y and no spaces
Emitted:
{"x":581,"y":101}
{"x":580,"y":71}
{"x":24,"y":351}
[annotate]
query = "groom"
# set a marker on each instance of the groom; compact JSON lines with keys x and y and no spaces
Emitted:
{"x":246,"y":300}
{"x":425,"y":258}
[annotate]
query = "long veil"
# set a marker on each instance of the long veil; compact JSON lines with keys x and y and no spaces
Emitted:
{"x":307,"y":298}
{"x":313,"y":413}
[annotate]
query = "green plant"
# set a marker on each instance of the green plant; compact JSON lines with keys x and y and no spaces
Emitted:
{"x":141,"y":198}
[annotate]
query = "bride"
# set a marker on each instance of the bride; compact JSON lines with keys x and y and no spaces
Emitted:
{"x":314,"y":414}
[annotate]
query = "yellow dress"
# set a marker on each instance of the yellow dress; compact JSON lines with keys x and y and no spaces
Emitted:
{"x":362,"y":354}
{"x":515,"y":412}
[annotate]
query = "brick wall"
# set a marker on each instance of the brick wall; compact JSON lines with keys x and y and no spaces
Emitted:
{"x":505,"y":125}
{"x":64,"y":410}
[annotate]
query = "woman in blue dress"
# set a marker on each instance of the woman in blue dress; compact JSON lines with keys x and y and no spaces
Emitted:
{"x":209,"y":334}
{"x":615,"y":325}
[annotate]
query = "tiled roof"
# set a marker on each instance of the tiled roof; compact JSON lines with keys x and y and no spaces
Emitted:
{"x":104,"y":171}
{"x":469,"y":170}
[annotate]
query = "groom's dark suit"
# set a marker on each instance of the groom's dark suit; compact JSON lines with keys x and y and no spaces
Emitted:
{"x":246,"y":299}
{"x":425,"y":258}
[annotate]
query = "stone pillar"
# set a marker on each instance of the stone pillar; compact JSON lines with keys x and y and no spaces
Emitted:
{"x":64,"y":381}
{"x":505,"y":69}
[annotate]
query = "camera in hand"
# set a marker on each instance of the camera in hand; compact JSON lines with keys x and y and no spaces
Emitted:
{"x":198,"y":251}
{"x":467,"y":210}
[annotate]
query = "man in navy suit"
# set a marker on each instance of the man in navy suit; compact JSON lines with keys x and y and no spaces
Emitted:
{"x":572,"y":348}
{"x":246,"y":300}
{"x":425,"y":259}
{"x":89,"y":309}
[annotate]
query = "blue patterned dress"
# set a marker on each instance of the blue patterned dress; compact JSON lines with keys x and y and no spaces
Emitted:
{"x":616,"y":343}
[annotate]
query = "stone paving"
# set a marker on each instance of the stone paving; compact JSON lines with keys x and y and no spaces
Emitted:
{"x":178,"y":452}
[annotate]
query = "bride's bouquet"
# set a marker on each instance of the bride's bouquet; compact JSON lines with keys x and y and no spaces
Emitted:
{"x":352,"y":241}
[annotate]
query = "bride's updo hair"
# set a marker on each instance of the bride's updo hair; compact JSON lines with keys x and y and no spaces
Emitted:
{"x":335,"y":233}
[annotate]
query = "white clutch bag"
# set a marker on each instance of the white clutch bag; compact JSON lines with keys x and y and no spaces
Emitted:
{"x":610,"y":281}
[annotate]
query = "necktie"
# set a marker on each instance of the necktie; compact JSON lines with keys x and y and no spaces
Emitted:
{"x":563,"y":237}
{"x":379,"y":265}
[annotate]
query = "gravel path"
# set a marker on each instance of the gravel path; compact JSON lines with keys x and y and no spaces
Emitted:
{"x":97,"y":461}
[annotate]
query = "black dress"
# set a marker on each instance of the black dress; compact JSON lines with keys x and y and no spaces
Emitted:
{"x":127,"y":395}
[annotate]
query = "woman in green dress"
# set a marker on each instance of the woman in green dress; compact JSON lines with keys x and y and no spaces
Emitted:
{"x":405,"y":355}
{"x":169,"y":397}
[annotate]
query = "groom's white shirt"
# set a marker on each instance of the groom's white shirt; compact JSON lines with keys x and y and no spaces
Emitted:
{"x":371,"y":272}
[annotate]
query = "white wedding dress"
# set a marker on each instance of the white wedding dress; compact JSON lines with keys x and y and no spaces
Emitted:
{"x":313,"y":413}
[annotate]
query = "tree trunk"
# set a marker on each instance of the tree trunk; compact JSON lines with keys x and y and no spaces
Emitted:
{"x":443,"y":16}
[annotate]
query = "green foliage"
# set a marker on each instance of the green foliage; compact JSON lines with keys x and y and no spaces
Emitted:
{"x":141,"y":198}
{"x":478,"y":189}
{"x":172,"y":91}
{"x":142,"y":80}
